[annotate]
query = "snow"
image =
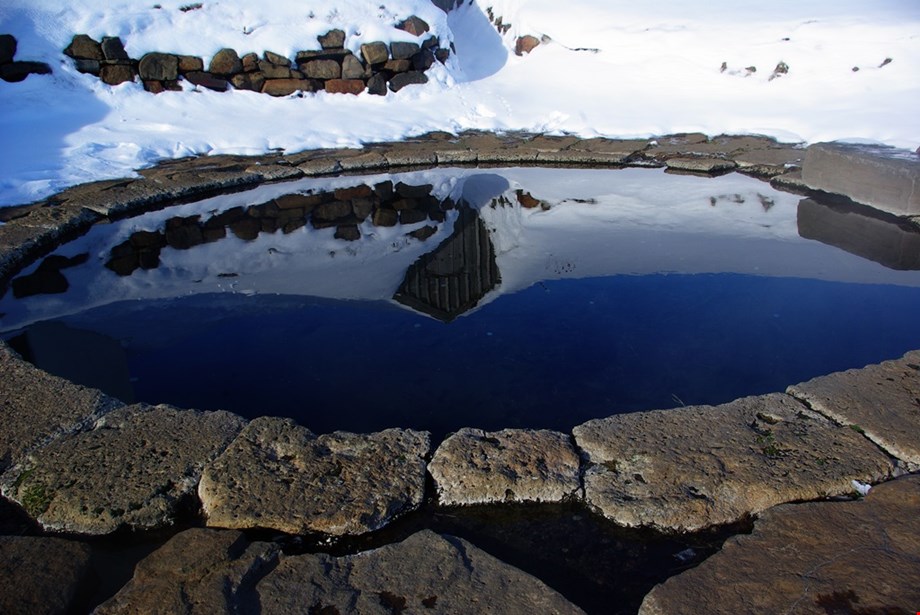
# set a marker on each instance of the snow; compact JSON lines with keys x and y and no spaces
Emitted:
{"x":609,"y":68}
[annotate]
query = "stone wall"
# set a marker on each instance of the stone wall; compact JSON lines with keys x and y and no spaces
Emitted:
{"x":328,"y":66}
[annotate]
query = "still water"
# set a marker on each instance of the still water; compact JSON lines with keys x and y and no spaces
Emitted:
{"x":470,"y":297}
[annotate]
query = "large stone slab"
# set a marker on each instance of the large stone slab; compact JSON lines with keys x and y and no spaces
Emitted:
{"x":132,"y":469}
{"x":882,"y":401}
{"x":41,"y":575}
{"x":280,"y":475}
{"x":882,"y":177}
{"x":197,"y":571}
{"x":828,"y":557}
{"x":693,"y":467}
{"x":513,"y":465}
{"x":424,"y":573}
{"x":36,"y":406}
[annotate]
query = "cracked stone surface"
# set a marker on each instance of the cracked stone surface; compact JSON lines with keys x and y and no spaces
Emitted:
{"x":513,"y":465}
{"x":36,"y":406}
{"x":278,"y":474}
{"x":881,"y":400}
{"x":131,"y":469}
{"x":426,"y":572}
{"x":198,"y":571}
{"x":698,"y":466}
{"x":41,"y":576}
{"x":827,"y":557}
{"x":700,"y":165}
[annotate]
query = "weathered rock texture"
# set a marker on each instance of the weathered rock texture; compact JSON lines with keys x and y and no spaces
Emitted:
{"x":280,"y":475}
{"x":36,"y":406}
{"x":693,"y":467}
{"x":882,"y":177}
{"x":41,"y":575}
{"x":829,"y":557}
{"x":513,"y":465}
{"x":132,"y":469}
{"x":882,"y":401}
{"x":424,"y":573}
{"x":706,"y":166}
{"x":198,"y":571}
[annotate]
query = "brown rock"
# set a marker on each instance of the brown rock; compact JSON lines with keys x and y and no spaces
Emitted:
{"x":333,"y":210}
{"x":414,"y":25}
{"x":276,"y":59}
{"x":513,"y":465}
{"x":397,"y":66}
{"x":250,"y":62}
{"x":333,"y":39}
{"x":159,"y":67}
{"x":42,"y":576}
{"x":286,"y":87}
{"x":707,"y":166}
{"x":345,"y":86}
{"x":403,"y":51}
{"x":249,"y":81}
{"x":348,"y":232}
{"x":279,"y":475}
{"x":322,"y":69}
{"x":207,"y":80}
{"x":85,"y":48}
{"x":385,"y":217}
{"x":827,"y":557}
{"x":353,"y":192}
{"x":525,"y":44}
{"x":692,"y":467}
{"x":352,"y":68}
{"x":422,"y":234}
{"x":398,"y":82}
{"x":188,"y":64}
{"x":879,"y":401}
{"x":225,"y":63}
{"x":273,"y":71}
{"x":375,"y":53}
{"x":113,"y":74}
{"x":113,"y":49}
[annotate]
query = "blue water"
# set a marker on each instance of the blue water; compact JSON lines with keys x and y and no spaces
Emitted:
{"x":552,"y":356}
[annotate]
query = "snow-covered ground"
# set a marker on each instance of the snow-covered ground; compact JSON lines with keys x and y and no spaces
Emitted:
{"x":612,"y":68}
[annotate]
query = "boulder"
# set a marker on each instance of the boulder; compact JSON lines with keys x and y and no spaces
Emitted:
{"x":84,"y":48}
{"x":225,"y":63}
{"x":333,"y":39}
{"x":197,"y":571}
{"x":424,"y":573}
{"x":113,"y":49}
{"x":7,"y":48}
{"x":375,"y":53}
{"x":189,"y":64}
{"x":513,"y":465}
{"x":398,"y":82}
{"x":113,"y":74}
{"x":525,"y":44}
{"x":18,"y":71}
{"x":322,"y":69}
{"x":414,"y":25}
{"x":132,"y":469}
{"x":827,"y":557}
{"x":345,"y":86}
{"x":36,"y":407}
{"x":403,"y":51}
{"x":159,"y":67}
{"x":42,"y":576}
{"x":689,"y":468}
{"x":879,"y":401}
{"x":280,"y":475}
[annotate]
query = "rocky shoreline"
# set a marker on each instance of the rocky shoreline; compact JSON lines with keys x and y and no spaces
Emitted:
{"x":78,"y":461}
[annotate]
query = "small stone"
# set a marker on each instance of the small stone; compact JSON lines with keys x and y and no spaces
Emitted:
{"x":442,"y":55}
{"x":525,"y":44}
{"x":403,"y":51}
{"x":352,"y":68}
{"x":190,"y":64}
{"x":348,"y":232}
{"x":385,"y":217}
{"x":286,"y":87}
{"x":513,"y":465}
{"x":708,"y":166}
{"x":42,"y":576}
{"x":422,"y":234}
{"x":159,"y":67}
{"x":397,"y":66}
{"x":333,"y":39}
{"x":280,"y":475}
{"x":414,"y":25}
{"x":7,"y":48}
{"x":113,"y":74}
{"x":84,"y":48}
{"x":273,"y":71}
{"x":398,"y":82}
{"x":90,"y":67}
{"x":276,"y":59}
{"x":375,"y":53}
{"x":225,"y":63}
{"x":250,"y":62}
{"x":113,"y":49}
{"x":423,"y":60}
{"x":377,"y":85}
{"x":322,"y":69}
{"x":207,"y":80}
{"x":333,"y":210}
{"x":248,"y":81}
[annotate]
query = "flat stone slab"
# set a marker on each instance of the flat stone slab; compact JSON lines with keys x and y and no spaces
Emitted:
{"x":700,"y":165}
{"x":131,"y":469}
{"x":36,"y":406}
{"x":827,"y":557}
{"x":425,"y":573}
{"x":513,"y":465}
{"x":198,"y":571}
{"x":280,"y":475}
{"x":882,"y":401}
{"x":883,"y":177}
{"x":698,"y":466}
{"x":41,"y":576}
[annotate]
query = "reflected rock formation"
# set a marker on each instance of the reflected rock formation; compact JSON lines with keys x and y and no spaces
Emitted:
{"x":873,"y":235}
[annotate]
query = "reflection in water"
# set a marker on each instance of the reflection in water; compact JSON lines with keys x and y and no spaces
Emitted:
{"x":570,"y":294}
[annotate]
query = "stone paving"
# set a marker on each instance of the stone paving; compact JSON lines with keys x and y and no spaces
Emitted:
{"x":78,"y":461}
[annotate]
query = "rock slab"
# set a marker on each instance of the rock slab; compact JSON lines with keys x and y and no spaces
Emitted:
{"x":425,"y":573}
{"x":698,"y":466}
{"x":882,"y":401}
{"x":280,"y":475}
{"x":513,"y":465}
{"x":827,"y":557}
{"x":131,"y":469}
{"x":882,"y":177}
{"x":41,"y":576}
